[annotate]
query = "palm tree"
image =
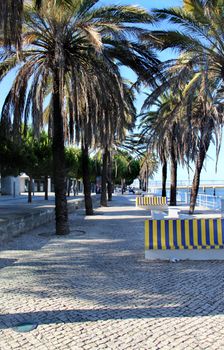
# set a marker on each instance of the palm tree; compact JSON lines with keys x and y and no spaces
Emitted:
{"x":117,"y":132}
{"x":202,"y":116}
{"x":206,"y":122}
{"x":148,"y":167}
{"x":11,"y":18}
{"x":81,"y":48}
{"x":11,"y":21}
{"x":86,"y":178}
{"x":163,"y":133}
{"x":110,"y":176}
{"x":152,"y":140}
{"x":199,"y":37}
{"x":103,"y":199}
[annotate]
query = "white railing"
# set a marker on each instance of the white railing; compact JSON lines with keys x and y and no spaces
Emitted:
{"x":204,"y":200}
{"x":209,"y":201}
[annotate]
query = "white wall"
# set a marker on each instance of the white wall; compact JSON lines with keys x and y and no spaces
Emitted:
{"x":10,"y":185}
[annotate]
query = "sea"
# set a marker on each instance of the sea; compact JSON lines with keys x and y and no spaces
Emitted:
{"x":215,"y":191}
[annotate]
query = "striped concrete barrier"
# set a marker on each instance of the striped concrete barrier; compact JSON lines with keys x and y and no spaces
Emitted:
{"x":183,"y":239}
{"x":147,"y":201}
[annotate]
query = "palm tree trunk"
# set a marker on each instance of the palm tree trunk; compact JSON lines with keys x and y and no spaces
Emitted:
{"x":109,"y":177}
{"x":61,"y":211}
{"x":147,"y":179}
{"x":103,"y":200}
{"x":164,"y":177}
{"x":141,"y":184}
{"x":173,"y":177}
{"x":69,"y":186}
{"x":122,"y":186}
{"x":86,"y":180}
{"x":46,"y":187}
{"x":196,"y":180}
{"x":30,"y":189}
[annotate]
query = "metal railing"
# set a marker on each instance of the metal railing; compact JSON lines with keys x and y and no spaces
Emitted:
{"x":204,"y":200}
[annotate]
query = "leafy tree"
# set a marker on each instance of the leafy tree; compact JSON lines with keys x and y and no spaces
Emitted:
{"x":43,"y":152}
{"x":126,"y":168}
{"x":36,"y":159}
{"x":29,"y":155}
{"x":148,"y":167}
{"x":72,"y":164}
{"x":29,"y":161}
{"x":10,"y":158}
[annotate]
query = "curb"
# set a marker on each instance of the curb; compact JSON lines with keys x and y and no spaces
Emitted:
{"x":11,"y":228}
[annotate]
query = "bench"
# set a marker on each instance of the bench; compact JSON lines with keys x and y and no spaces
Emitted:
{"x":151,"y":201}
{"x":195,"y":239}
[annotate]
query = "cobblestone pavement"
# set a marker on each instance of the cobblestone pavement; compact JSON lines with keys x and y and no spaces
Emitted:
{"x":94,"y":290}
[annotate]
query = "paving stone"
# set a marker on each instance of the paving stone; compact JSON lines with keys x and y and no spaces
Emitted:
{"x":97,"y":291}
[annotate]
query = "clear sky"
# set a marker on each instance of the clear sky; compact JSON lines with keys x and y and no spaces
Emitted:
{"x":149,"y":4}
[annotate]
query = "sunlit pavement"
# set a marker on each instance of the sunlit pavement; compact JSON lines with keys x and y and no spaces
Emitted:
{"x":93,"y":289}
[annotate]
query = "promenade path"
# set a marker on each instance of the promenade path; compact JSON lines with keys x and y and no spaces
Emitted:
{"x":93,"y":289}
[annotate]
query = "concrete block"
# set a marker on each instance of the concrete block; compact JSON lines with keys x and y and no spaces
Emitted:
{"x":194,"y":254}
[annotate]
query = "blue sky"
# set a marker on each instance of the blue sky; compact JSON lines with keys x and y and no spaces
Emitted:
{"x":149,"y":4}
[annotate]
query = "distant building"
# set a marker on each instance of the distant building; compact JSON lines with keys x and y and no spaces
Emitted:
{"x":135,"y":184}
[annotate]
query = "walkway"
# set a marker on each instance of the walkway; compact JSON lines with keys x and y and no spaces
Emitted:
{"x":93,"y":289}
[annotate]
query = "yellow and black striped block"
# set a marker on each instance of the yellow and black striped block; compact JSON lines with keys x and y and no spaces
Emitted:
{"x":184,"y":234}
{"x":152,"y":201}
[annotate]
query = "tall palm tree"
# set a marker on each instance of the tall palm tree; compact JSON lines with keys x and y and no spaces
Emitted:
{"x":202,"y":115}
{"x":80,"y":47}
{"x":199,"y":40}
{"x":117,"y":132}
{"x":165,"y":128}
{"x":147,"y":136}
{"x":199,"y":37}
{"x":206,"y":124}
{"x":148,"y":167}
{"x":11,"y":18}
{"x":103,"y":198}
{"x":110,"y":176}
{"x":96,"y":132}
{"x":11,"y":21}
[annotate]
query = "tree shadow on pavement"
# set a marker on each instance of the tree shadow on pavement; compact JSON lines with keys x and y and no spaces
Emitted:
{"x":90,"y":315}
{"x":103,"y":275}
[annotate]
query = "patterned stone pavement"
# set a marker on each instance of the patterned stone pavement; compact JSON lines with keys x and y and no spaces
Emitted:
{"x":94,"y":290}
